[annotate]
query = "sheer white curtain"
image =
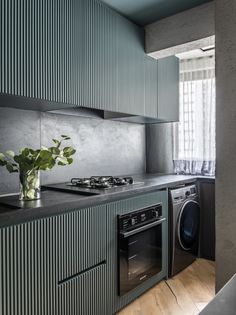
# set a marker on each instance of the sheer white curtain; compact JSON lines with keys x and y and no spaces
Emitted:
{"x":194,"y":135}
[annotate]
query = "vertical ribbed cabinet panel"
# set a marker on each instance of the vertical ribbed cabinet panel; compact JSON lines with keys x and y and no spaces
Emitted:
{"x":85,"y":294}
{"x":121,"y":207}
{"x":100,"y":50}
{"x":150,"y":87}
{"x":67,"y":265}
{"x":168,"y":89}
{"x":37,"y":53}
{"x":28,"y":269}
{"x":77,"y":52}
{"x":81,"y":240}
{"x":130,"y":64}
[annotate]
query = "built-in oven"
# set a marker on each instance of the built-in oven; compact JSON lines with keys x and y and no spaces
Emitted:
{"x":139,"y":247}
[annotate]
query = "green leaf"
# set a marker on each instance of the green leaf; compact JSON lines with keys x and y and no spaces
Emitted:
{"x":68,"y":151}
{"x":2,"y":157}
{"x":3,"y":163}
{"x":45,"y":158}
{"x":69,"y":161}
{"x":32,"y":151}
{"x":11,"y":168}
{"x":45,"y":154}
{"x":47,"y":166}
{"x":56,"y":141}
{"x":65,"y":137}
{"x":62,"y":160}
{"x":17,"y":159}
{"x":10,"y":153}
{"x":25,"y":152}
{"x":54,"y":150}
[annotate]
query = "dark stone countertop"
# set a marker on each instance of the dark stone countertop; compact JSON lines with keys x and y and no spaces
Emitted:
{"x":224,"y":303}
{"x":55,"y":202}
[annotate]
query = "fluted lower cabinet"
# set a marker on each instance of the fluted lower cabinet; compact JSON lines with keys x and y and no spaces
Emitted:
{"x":67,"y":265}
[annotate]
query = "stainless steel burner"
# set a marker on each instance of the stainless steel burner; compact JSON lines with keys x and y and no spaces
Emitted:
{"x":101,"y":181}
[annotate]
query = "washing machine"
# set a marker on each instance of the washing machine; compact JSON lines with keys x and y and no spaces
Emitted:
{"x":184,"y":226}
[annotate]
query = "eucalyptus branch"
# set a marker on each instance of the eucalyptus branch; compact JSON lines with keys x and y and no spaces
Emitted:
{"x":29,"y":160}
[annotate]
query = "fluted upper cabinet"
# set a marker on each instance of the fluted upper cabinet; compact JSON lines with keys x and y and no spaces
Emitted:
{"x":76,"y":53}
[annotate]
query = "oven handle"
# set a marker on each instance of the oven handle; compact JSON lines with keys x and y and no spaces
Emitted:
{"x":142,"y":228}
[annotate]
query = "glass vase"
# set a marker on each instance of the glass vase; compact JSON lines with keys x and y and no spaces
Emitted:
{"x":29,"y":185}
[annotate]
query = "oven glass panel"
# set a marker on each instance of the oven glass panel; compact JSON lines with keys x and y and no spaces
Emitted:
{"x":140,"y":258}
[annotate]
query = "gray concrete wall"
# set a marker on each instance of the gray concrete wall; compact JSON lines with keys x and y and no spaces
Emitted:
{"x":188,"y":30}
{"x":103,"y":147}
{"x":159,"y":152}
{"x":18,"y":129}
{"x":225,"y":140}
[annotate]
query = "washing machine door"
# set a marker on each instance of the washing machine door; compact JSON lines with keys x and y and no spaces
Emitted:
{"x":188,"y":224}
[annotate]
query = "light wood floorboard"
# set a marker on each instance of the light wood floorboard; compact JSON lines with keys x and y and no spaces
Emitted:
{"x":185,"y":294}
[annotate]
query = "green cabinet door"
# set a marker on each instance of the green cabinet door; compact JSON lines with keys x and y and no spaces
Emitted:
{"x":40,"y":57}
{"x":81,"y":241}
{"x":73,"y":52}
{"x":99,"y":56}
{"x":150,"y":87}
{"x":28,"y":268}
{"x":85,"y":294}
{"x":130,"y":67}
{"x":168,"y":89}
{"x":56,"y":265}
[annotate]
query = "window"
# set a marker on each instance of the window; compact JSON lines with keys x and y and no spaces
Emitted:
{"x":194,"y":135}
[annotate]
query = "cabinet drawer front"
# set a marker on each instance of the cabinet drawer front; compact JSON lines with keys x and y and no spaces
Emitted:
{"x":85,"y":294}
{"x":28,"y":268}
{"x":81,"y":241}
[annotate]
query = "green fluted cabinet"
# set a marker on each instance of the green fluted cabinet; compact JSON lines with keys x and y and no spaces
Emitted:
{"x":76,"y":52}
{"x":168,"y":89}
{"x":99,"y":44}
{"x":81,"y":53}
{"x":130,"y":67}
{"x":67,"y":264}
{"x":150,"y":87}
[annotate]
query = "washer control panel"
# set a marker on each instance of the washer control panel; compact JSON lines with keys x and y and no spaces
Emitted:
{"x":181,"y":193}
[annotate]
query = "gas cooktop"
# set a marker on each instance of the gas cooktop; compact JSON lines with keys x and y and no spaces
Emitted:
{"x":99,"y":182}
{"x":94,"y":184}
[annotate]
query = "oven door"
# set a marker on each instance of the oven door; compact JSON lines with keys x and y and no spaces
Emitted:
{"x":140,"y":255}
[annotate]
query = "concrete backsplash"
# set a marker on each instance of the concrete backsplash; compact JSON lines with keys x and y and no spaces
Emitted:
{"x":103,"y":147}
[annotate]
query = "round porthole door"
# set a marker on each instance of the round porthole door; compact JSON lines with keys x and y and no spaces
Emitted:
{"x":188,"y":224}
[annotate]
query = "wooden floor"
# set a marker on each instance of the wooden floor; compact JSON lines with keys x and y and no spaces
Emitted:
{"x":185,"y":294}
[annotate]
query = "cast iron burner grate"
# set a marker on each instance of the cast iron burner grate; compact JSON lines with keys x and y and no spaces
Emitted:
{"x":101,"y":181}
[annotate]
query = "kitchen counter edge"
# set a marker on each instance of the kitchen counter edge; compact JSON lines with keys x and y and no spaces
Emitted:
{"x":151,"y":183}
